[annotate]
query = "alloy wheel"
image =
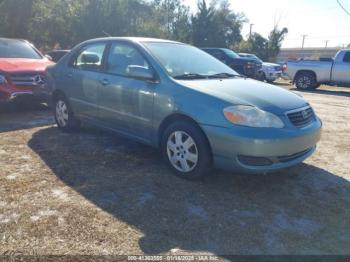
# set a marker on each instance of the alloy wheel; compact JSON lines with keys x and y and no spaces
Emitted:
{"x":304,"y":82}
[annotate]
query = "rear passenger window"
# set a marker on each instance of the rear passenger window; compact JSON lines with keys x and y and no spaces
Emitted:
{"x":346,"y":57}
{"x":90,"y":58}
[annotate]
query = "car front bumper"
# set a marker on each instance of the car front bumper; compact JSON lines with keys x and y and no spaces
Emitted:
{"x":261,"y":150}
{"x":274,"y":75}
{"x":10,"y":93}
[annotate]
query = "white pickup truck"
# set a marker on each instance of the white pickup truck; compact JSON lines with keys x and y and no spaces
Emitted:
{"x":310,"y":74}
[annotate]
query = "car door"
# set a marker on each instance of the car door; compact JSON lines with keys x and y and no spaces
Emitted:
{"x":126,"y":103}
{"x":341,"y":69}
{"x":82,"y":80}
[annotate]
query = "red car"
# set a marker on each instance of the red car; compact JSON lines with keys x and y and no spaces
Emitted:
{"x":22,"y":70}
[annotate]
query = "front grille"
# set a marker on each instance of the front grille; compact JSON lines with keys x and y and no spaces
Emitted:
{"x":288,"y":158}
{"x":302,"y":118}
{"x":278,"y":68}
{"x":254,"y":161}
{"x":27,"y":79}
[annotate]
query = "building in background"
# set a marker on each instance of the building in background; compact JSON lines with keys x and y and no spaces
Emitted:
{"x":306,"y":53}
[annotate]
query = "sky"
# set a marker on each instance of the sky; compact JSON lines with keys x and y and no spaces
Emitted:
{"x":320,"y":20}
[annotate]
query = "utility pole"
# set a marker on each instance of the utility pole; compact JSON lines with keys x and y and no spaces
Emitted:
{"x":251,"y":30}
{"x":302,"y":45}
{"x":167,"y":17}
{"x":326,"y":43}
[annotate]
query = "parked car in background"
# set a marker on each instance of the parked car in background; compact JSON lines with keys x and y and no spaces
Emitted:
{"x":310,"y":74}
{"x":56,"y":55}
{"x":269,"y":72}
{"x":245,"y":66}
{"x":174,"y":96}
{"x":22,"y":71}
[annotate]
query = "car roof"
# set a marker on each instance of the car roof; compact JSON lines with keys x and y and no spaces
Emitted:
{"x":214,"y":48}
{"x":13,"y":40}
{"x":53,"y":51}
{"x":132,"y":39}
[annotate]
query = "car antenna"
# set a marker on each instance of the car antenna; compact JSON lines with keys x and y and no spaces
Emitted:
{"x":107,"y":34}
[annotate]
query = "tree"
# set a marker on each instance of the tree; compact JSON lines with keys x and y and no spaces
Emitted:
{"x":266,"y":49}
{"x":203,"y":25}
{"x":65,"y":23}
{"x":173,"y":19}
{"x":216,"y":25}
{"x":14,"y":18}
{"x":276,"y":38}
{"x":229,"y":25}
{"x":52,"y":23}
{"x":256,"y":44}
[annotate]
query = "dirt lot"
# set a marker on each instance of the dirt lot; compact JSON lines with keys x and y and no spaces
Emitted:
{"x":93,"y":193}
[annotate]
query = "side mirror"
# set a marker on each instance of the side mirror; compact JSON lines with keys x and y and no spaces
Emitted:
{"x":140,"y":72}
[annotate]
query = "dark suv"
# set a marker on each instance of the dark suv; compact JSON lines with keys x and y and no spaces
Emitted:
{"x":244,"y":66}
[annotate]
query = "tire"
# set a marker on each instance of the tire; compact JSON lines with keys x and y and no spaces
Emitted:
{"x":64,"y":116}
{"x":262,"y":77}
{"x":305,"y":81}
{"x":186,"y":150}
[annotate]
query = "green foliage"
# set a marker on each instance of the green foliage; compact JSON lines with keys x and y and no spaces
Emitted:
{"x":216,"y":25}
{"x":266,"y":49}
{"x":65,"y":23}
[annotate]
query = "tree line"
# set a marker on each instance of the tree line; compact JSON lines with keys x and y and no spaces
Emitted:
{"x":64,"y":23}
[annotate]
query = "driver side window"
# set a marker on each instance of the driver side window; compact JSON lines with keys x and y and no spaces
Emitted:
{"x":122,"y":56}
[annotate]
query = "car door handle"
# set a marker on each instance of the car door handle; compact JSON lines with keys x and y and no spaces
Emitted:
{"x":104,"y":82}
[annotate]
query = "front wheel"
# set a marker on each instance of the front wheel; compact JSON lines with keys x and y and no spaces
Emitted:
{"x":64,"y":116}
{"x":186,"y":150}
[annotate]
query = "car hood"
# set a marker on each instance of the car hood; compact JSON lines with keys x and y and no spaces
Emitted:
{"x":270,"y":64}
{"x":249,"y":92}
{"x":13,"y":65}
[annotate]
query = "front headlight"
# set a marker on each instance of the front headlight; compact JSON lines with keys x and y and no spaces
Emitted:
{"x":2,"y":79}
{"x":251,"y":116}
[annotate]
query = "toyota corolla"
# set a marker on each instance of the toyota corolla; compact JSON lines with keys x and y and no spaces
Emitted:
{"x":197,"y":110}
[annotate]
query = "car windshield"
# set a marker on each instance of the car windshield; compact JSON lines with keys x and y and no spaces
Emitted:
{"x":230,"y":53}
{"x":17,"y":49}
{"x":252,"y":57}
{"x":187,"y":62}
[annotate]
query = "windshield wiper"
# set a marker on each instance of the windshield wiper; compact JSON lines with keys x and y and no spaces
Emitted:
{"x":224,"y":75}
{"x":190,"y":76}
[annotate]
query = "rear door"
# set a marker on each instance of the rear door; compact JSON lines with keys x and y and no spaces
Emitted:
{"x":82,"y":80}
{"x":341,"y":68}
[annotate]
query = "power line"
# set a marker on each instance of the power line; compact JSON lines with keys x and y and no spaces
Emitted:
{"x":342,"y":7}
{"x":320,"y":37}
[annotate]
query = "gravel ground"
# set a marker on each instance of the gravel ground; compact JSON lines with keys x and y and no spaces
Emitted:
{"x":94,"y":193}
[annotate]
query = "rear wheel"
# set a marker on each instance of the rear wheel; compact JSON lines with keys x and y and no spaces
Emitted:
{"x":64,"y":116}
{"x":186,"y":150}
{"x":306,"y":81}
